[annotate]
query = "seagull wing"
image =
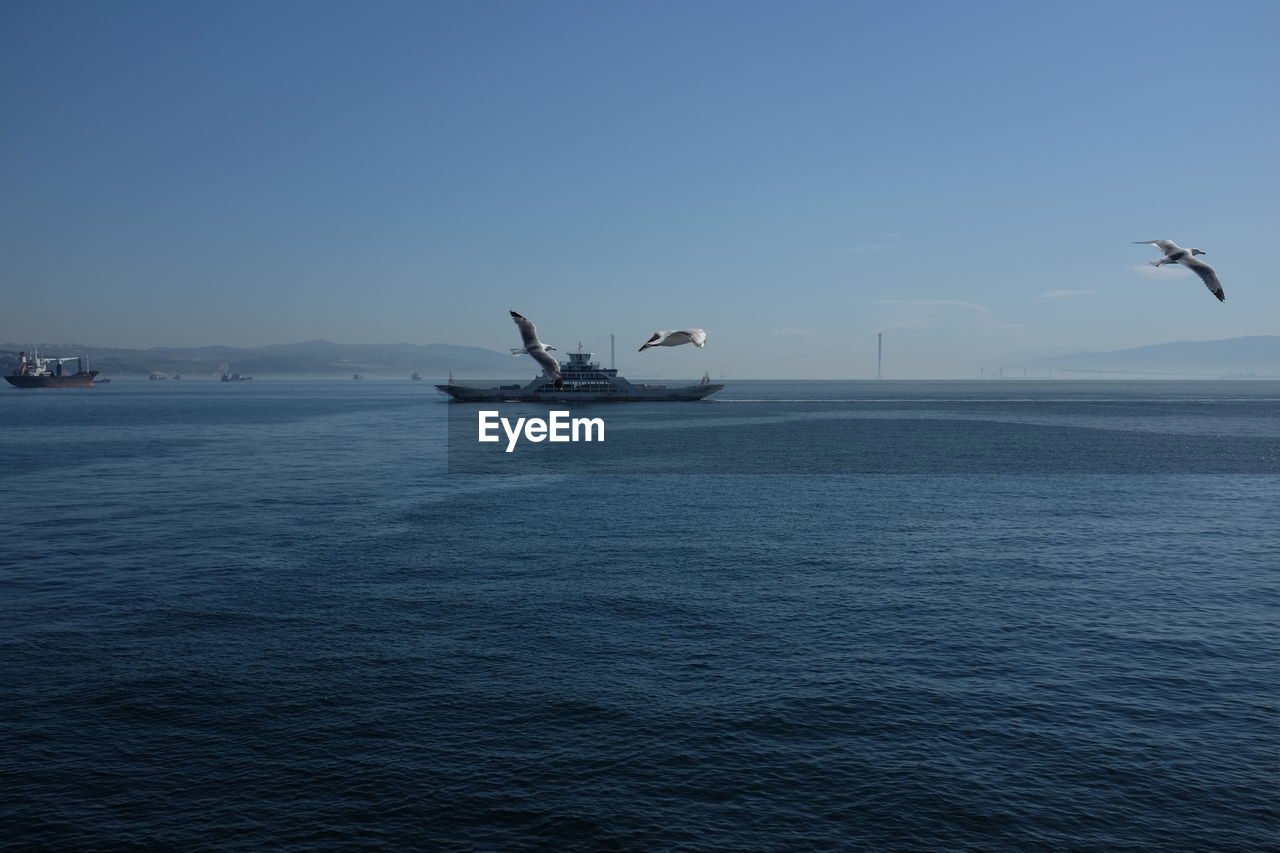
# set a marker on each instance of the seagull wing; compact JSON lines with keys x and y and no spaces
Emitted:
{"x":697,"y":337}
{"x":548,"y":363}
{"x":535,"y":347}
{"x":528,"y":331}
{"x":654,"y":341}
{"x":1207,"y":275}
{"x":1166,"y":246}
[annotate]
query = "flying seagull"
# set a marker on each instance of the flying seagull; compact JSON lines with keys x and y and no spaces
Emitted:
{"x":667,"y":338}
{"x":535,"y":348}
{"x":1175,"y":254}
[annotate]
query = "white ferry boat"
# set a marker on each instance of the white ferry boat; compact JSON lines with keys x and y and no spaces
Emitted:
{"x":582,"y":381}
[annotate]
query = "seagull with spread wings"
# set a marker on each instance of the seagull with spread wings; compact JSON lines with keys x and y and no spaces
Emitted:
{"x":668,"y":338}
{"x":1175,"y":254}
{"x":537,"y":349}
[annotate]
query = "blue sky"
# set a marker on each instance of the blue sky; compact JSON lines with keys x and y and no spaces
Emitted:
{"x":792,"y":177}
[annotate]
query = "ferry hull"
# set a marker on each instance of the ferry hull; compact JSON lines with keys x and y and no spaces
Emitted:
{"x":634,"y":394}
{"x":581,"y":381}
{"x":73,"y":380}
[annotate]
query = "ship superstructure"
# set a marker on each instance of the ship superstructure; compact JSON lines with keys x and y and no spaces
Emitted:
{"x":582,"y":381}
{"x":37,"y":372}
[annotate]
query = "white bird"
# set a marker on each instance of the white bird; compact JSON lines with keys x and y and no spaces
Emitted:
{"x":535,"y":348}
{"x":668,"y":338}
{"x":1175,"y":254}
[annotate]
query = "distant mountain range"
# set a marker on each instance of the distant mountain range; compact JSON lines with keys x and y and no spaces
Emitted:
{"x":1258,"y":355}
{"x":309,"y":359}
{"x":1255,"y":355}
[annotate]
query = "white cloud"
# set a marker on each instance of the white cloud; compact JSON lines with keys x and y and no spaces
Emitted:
{"x":1063,"y":294}
{"x":936,"y":314}
{"x":928,"y":305}
{"x":951,"y":318}
{"x":1167,"y":271}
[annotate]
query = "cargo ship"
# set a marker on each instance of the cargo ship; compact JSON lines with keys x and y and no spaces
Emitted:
{"x":36,"y":372}
{"x":583,"y":381}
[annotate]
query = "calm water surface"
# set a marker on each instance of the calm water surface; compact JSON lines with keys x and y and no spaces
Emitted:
{"x":265,"y":616}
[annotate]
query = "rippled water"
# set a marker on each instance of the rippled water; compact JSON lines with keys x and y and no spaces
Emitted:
{"x":246,"y":618}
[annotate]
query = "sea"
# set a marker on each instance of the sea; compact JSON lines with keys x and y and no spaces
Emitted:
{"x":797,"y":616}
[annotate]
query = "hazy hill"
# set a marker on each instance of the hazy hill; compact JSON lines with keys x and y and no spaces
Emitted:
{"x":1257,"y":354}
{"x":307,"y":359}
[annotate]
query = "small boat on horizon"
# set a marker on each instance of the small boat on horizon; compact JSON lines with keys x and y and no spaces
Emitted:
{"x":228,"y":376}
